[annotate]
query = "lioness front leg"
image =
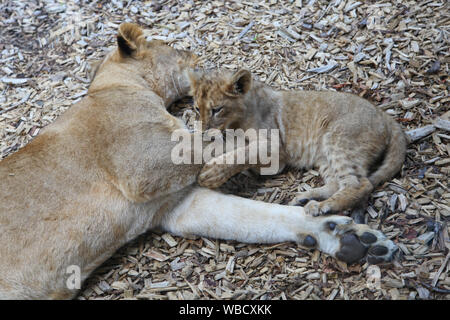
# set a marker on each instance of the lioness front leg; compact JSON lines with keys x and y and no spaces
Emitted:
{"x":212,"y":214}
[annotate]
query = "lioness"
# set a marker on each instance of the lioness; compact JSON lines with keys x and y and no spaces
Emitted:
{"x":102,"y":174}
{"x":354,"y":145}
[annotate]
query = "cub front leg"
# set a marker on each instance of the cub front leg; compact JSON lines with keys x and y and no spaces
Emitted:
{"x":215,"y":173}
{"x":219,"y":169}
{"x":212,"y":214}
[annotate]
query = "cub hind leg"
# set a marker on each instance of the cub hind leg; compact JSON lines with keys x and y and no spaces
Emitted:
{"x":353,"y":187}
{"x":346,"y":155}
{"x":321,"y":193}
{"x":352,"y":192}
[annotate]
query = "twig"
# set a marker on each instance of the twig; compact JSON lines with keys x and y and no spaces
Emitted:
{"x":306,"y":78}
{"x":435,"y":289}
{"x":24,"y":99}
{"x":325,"y":11}
{"x":246,"y":29}
{"x":438,"y":274}
{"x":9,"y":109}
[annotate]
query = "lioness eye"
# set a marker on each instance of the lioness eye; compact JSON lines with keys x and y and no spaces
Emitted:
{"x":216,"y":110}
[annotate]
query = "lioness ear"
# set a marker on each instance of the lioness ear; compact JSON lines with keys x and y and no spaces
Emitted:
{"x":93,"y":68}
{"x":240,"y":83}
{"x":128,"y":39}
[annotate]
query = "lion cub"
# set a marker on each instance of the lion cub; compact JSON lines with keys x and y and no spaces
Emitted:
{"x":354,"y":145}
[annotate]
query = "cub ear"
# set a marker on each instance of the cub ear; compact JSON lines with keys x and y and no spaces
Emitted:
{"x":240,"y":83}
{"x":129,"y":38}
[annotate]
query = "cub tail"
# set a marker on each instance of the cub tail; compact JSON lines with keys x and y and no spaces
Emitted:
{"x":394,"y":156}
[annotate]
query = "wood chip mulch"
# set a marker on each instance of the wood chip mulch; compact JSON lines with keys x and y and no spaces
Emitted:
{"x":394,"y":53}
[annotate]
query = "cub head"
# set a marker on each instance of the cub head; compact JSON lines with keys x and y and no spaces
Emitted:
{"x":220,"y":97}
{"x":153,"y":60}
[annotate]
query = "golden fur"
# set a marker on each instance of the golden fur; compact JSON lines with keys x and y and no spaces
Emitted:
{"x":355,"y":146}
{"x":76,"y":192}
{"x":102,"y":174}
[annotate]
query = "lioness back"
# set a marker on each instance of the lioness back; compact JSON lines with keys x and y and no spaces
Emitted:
{"x":98,"y":176}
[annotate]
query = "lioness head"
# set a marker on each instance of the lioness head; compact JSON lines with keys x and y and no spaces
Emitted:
{"x":154,"y":61}
{"x":220,"y":97}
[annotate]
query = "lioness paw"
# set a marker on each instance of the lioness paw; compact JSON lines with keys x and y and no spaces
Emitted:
{"x":356,"y":241}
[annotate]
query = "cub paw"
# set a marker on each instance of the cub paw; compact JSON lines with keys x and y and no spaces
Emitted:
{"x":314,"y":208}
{"x":299,"y":201}
{"x":302,"y":198}
{"x":212,"y":176}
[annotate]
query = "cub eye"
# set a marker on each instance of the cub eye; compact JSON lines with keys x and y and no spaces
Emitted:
{"x":216,"y":110}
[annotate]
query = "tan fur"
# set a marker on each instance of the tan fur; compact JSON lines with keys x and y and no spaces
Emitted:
{"x":82,"y":188}
{"x":102,"y":174}
{"x":342,"y":134}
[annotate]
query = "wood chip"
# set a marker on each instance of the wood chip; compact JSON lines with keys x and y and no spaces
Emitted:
{"x":14,"y":80}
{"x":419,"y":133}
{"x":169,"y":239}
{"x":156,"y":255}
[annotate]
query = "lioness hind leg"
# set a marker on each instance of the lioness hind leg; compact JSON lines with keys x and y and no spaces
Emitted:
{"x":213,"y":214}
{"x":356,"y":241}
